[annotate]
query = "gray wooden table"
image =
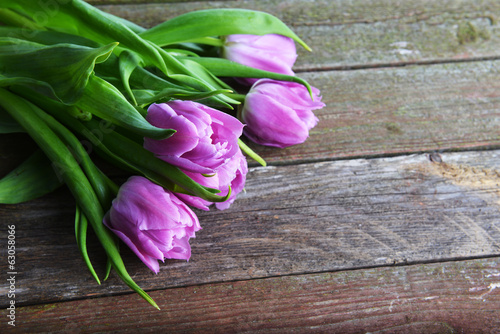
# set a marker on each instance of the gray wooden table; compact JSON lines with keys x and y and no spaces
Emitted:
{"x":386,"y":220}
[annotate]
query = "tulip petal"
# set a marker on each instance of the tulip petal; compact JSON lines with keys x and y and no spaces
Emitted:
{"x":150,"y":262}
{"x":275,"y":124}
{"x":279,"y":113}
{"x":205,"y":140}
{"x":181,"y":250}
{"x":153,"y":222}
{"x":273,"y":53}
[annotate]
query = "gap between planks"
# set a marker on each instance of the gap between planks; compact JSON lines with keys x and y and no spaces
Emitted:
{"x":349,"y":214}
{"x":445,"y":297}
{"x":428,"y":62}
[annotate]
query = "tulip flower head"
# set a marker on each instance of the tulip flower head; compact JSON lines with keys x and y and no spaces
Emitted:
{"x":231,"y":175}
{"x":206,"y":138}
{"x":273,"y":53}
{"x":152,"y":221}
{"x":279,"y":113}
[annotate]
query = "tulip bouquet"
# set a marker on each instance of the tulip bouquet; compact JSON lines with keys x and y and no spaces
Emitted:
{"x":153,"y":102}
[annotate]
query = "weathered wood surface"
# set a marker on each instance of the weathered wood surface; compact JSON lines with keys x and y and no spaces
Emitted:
{"x":380,"y":112}
{"x":358,"y":33}
{"x":294,"y":219}
{"x":450,"y":297}
{"x":389,"y":111}
{"x":398,"y":77}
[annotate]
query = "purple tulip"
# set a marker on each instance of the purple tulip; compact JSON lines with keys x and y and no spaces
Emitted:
{"x":233,"y":174}
{"x":152,"y":221}
{"x":273,"y":53}
{"x":279,"y":113}
{"x":205,"y":139}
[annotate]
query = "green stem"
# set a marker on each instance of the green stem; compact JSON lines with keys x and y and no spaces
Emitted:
{"x":207,"y":40}
{"x":96,"y":177}
{"x":237,"y":97}
{"x":22,"y":111}
{"x":105,"y":189}
{"x":11,"y":18}
{"x":81,"y":224}
{"x":251,"y":153}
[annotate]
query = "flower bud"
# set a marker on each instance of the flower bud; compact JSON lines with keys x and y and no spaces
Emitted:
{"x":279,"y":113}
{"x":152,"y":221}
{"x":205,"y":139}
{"x":273,"y":53}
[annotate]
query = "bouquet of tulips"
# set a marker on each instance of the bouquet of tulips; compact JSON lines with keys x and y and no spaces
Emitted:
{"x":153,"y":102}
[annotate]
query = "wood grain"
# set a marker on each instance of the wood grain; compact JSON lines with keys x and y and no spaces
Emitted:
{"x":338,"y":235}
{"x":381,"y":112}
{"x":294,"y":219}
{"x":390,"y":111}
{"x":346,"y":33}
{"x":450,"y":297}
{"x":393,"y":111}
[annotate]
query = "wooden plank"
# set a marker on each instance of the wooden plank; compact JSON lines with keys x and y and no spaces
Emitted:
{"x":384,"y":111}
{"x":352,"y":33}
{"x":401,"y":110}
{"x":452,"y":297}
{"x":291,"y":220}
{"x":389,"y":111}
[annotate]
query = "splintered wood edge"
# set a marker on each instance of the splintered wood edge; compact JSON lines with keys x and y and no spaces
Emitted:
{"x":444,"y":297}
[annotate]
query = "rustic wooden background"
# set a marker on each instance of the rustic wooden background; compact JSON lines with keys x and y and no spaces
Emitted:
{"x":387,"y":220}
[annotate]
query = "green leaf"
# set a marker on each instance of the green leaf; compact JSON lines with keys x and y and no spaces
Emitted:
{"x":8,"y":124}
{"x":102,"y":186}
{"x":105,"y":101}
{"x":46,"y":37}
{"x":35,"y":177}
{"x":25,"y":113}
{"x":128,"y":62}
{"x":146,"y":97}
{"x":203,"y":73}
{"x":225,"y":68}
{"x":60,"y":71}
{"x":217,"y":22}
{"x":80,"y":18}
{"x":81,"y":224}
{"x":146,"y":85}
{"x":11,"y":18}
{"x":251,"y":153}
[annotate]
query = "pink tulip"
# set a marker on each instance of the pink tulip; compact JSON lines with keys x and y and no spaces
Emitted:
{"x":152,"y":221}
{"x":233,"y":174}
{"x":279,"y":113}
{"x":273,"y":53}
{"x":205,"y":140}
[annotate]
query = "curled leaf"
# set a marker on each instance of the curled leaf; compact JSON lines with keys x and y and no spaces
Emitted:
{"x":217,"y":22}
{"x":59,"y":71}
{"x":105,"y":101}
{"x":35,"y":177}
{"x":226,"y":68}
